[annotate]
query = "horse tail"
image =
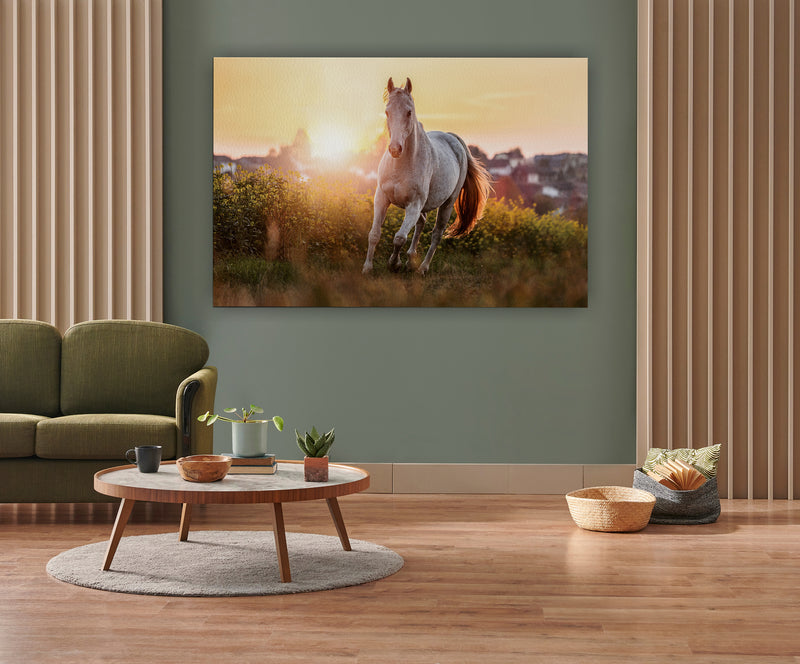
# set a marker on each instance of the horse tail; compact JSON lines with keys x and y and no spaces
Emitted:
{"x":472,"y":198}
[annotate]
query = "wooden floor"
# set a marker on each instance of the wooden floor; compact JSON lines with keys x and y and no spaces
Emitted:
{"x":487,"y":579}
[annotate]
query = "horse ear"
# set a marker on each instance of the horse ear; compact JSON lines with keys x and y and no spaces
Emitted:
{"x":408,"y":85}
{"x":390,"y":84}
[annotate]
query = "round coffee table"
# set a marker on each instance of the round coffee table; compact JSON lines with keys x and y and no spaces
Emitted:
{"x":287,"y":485}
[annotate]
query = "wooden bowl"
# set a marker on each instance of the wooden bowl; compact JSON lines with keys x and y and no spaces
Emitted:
{"x":203,"y":467}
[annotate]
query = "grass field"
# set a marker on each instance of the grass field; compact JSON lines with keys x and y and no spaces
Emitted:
{"x":280,"y":240}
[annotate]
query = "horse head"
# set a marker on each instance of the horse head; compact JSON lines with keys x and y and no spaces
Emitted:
{"x":401,"y":116}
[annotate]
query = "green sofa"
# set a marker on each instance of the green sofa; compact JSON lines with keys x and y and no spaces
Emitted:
{"x":72,"y":405}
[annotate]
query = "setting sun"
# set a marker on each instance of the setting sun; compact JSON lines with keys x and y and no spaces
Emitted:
{"x":331,"y":142}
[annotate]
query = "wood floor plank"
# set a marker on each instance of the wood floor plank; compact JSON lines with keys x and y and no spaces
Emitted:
{"x":506,"y":579}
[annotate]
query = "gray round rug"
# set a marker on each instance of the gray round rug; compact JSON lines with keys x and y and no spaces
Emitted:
{"x":214,"y":563}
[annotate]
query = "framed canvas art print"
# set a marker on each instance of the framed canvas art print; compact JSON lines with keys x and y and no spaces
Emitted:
{"x":400,"y":182}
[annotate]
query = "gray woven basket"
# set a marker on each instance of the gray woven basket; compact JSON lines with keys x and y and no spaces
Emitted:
{"x":680,"y":507}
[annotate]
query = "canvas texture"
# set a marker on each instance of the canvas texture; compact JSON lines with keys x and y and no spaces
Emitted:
{"x":30,"y":367}
{"x":705,"y":459}
{"x":680,"y":507}
{"x":127,"y":366}
{"x":354,"y":184}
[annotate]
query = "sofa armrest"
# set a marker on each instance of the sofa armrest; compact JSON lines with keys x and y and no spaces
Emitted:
{"x":195,"y":396}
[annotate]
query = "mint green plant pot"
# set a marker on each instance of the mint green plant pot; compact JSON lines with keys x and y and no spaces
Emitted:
{"x":249,"y":439}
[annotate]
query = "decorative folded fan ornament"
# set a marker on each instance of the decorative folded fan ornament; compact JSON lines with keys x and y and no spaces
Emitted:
{"x":677,"y":475}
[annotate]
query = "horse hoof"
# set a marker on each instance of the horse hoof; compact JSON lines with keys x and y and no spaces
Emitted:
{"x":366,"y":269}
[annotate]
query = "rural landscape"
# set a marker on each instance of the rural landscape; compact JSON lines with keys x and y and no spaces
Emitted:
{"x":291,"y":223}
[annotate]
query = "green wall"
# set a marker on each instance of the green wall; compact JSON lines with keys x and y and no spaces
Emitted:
{"x":418,"y":385}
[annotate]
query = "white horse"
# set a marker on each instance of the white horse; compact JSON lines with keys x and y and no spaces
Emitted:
{"x":422,"y":171}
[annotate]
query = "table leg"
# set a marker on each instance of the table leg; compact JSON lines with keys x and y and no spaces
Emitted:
{"x":280,"y":543}
{"x":186,"y":519}
{"x":123,"y":513}
{"x":338,"y":521}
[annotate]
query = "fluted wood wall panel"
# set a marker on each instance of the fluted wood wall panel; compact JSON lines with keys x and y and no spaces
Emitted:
{"x":717,"y":237}
{"x":80,"y":160}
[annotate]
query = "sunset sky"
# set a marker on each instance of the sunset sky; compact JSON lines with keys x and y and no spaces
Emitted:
{"x":537,"y":104}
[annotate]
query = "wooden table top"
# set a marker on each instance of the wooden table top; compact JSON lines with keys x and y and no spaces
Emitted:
{"x":286,"y":485}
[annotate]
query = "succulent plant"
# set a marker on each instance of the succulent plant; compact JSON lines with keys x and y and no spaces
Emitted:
{"x":315,"y":444}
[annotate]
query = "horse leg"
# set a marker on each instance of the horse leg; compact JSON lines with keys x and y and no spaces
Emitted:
{"x":412,"y":250}
{"x":442,"y":219}
{"x":380,"y":206}
{"x":413,"y":212}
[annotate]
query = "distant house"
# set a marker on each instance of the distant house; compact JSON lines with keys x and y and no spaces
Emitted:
{"x":225,"y":164}
{"x":515,"y":157}
{"x":252,"y":163}
{"x":498,"y":166}
{"x":500,"y":170}
{"x":504,"y":163}
{"x":525,"y":173}
{"x":571,"y":166}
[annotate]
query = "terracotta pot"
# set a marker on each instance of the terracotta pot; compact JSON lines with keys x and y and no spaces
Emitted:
{"x":316,"y":469}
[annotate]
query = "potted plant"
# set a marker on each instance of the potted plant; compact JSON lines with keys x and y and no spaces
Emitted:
{"x":249,"y":434}
{"x":315,"y":447}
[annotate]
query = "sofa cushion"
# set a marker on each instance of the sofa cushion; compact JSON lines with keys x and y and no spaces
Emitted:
{"x":17,"y":434}
{"x":118,"y":366}
{"x":104,"y":436}
{"x":30,"y":367}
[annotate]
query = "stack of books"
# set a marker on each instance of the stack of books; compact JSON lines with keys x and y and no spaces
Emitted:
{"x":263,"y":465}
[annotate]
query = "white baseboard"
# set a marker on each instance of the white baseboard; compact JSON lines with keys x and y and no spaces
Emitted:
{"x":536,"y":479}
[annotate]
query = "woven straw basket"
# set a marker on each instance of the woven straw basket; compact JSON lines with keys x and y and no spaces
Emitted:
{"x":611,"y":509}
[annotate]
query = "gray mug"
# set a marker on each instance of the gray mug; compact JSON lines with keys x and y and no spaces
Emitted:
{"x":146,"y":457}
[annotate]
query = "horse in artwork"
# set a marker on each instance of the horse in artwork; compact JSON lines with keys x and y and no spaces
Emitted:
{"x":419,"y":172}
